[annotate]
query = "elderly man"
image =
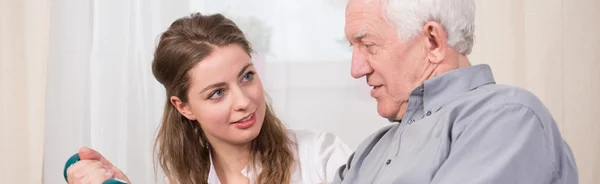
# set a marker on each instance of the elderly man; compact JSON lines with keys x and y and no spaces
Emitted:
{"x":452,"y":123}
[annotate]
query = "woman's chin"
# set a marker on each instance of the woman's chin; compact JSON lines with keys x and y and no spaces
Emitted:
{"x":244,"y":136}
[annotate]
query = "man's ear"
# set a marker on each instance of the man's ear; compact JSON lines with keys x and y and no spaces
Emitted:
{"x":435,"y":41}
{"x":183,"y":108}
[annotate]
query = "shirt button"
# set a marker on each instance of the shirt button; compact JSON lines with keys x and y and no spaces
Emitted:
{"x":388,"y":162}
{"x":428,"y":113}
{"x":421,"y":89}
{"x":411,"y":121}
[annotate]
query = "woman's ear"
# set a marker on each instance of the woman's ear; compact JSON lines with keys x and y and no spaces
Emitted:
{"x":183,"y":108}
{"x":435,"y":41}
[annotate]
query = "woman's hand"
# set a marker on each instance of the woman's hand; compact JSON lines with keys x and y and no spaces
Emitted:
{"x":93,"y":168}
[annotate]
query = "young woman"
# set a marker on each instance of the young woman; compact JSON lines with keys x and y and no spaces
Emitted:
{"x":216,"y":126}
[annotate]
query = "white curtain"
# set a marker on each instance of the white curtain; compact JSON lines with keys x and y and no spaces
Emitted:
{"x":101,"y":92}
{"x":23,"y":51}
{"x":550,"y":47}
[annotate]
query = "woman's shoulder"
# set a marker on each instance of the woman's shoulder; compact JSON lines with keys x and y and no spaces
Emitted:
{"x":317,"y":140}
{"x":310,"y":137}
{"x":320,"y":153}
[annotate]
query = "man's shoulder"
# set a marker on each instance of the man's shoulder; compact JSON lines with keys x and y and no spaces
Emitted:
{"x":511,"y":95}
{"x":494,"y":96}
{"x":497,"y":101}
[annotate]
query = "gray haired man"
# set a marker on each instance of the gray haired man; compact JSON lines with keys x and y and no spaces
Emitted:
{"x":452,"y":123}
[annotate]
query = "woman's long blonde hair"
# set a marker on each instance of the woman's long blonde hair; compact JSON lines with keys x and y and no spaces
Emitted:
{"x":182,"y":149}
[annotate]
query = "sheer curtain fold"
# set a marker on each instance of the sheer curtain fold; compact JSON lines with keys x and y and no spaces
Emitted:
{"x":23,"y":52}
{"x":101,"y":92}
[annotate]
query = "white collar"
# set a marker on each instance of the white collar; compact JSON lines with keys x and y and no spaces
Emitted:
{"x":214,"y":179}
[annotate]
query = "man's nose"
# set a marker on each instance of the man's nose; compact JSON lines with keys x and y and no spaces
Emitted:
{"x":360,"y":67}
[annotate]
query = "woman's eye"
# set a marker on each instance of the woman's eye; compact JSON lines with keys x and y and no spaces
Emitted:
{"x":248,"y":77}
{"x":216,"y":94}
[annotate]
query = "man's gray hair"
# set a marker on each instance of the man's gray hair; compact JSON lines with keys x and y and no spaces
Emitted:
{"x":456,"y":16}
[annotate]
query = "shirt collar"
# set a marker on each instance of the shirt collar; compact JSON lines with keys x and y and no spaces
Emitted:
{"x":214,"y":179}
{"x":438,"y":90}
{"x":212,"y":174}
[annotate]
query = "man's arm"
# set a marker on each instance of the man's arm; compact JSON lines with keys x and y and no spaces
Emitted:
{"x":342,"y":170}
{"x":362,"y":151}
{"x":505,"y":144}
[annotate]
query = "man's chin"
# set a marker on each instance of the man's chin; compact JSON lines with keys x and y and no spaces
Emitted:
{"x":386,"y":112}
{"x":390,"y":111}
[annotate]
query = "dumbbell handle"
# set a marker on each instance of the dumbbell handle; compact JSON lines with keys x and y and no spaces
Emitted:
{"x":75,"y":158}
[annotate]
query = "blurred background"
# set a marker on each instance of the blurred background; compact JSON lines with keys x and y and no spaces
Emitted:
{"x":77,"y":73}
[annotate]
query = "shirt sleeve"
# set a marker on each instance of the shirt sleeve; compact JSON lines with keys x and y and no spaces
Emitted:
{"x":506,"y":144}
{"x":332,"y":152}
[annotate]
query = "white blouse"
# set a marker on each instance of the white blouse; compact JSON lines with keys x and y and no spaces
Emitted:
{"x":317,"y":155}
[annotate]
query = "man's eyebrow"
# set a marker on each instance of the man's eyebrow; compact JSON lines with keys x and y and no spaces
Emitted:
{"x":360,"y":35}
{"x":357,"y":37}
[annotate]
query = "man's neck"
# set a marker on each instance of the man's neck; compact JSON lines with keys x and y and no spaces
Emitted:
{"x":463,"y":61}
{"x":454,"y":62}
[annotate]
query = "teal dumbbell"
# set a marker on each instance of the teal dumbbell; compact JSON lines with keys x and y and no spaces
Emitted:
{"x":75,"y":158}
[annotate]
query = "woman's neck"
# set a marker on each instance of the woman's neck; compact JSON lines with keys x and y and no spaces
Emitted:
{"x":229,"y":160}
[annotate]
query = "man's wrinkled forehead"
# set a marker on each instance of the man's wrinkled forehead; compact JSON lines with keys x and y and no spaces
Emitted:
{"x":361,"y":19}
{"x":361,"y":5}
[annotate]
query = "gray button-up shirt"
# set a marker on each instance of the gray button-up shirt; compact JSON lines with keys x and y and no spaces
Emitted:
{"x":462,"y":128}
